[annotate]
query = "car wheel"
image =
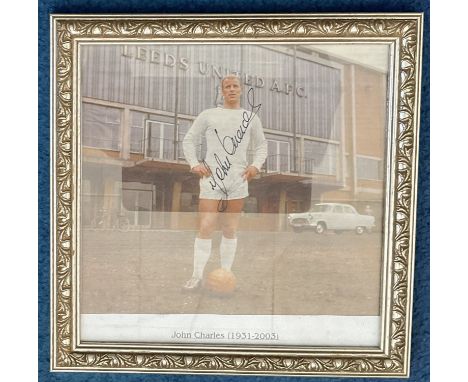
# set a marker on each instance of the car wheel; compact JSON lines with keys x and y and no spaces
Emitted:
{"x":298,"y":229}
{"x":320,"y":228}
{"x":360,"y":230}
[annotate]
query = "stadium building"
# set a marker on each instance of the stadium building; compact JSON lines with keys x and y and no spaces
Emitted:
{"x":324,"y":118}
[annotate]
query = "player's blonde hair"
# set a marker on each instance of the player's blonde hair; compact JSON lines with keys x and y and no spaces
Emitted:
{"x":228,"y":77}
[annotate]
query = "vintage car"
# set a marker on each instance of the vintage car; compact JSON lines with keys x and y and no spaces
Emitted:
{"x":332,"y":216}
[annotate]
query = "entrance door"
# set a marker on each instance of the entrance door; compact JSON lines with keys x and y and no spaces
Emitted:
{"x":293,"y":206}
{"x":138,"y":204}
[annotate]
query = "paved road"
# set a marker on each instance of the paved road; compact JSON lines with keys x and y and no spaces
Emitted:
{"x":277,"y":273}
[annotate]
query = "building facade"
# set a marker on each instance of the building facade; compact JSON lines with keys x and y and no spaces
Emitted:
{"x":324,"y":120}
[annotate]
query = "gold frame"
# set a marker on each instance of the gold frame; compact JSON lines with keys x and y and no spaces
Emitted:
{"x":404,"y":31}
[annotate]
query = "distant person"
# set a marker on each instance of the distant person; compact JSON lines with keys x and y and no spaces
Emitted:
{"x":224,"y":173}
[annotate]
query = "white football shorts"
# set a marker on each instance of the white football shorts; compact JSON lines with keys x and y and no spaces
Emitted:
{"x":232,"y":187}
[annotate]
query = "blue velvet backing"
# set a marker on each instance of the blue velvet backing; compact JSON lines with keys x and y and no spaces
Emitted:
{"x":420,"y":340}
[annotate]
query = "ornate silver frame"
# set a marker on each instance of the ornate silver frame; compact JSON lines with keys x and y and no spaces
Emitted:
{"x":404,"y":31}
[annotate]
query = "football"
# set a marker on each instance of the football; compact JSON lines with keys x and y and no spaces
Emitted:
{"x":220,"y":282}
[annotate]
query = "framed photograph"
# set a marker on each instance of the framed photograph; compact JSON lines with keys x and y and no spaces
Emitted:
{"x":234,"y":194}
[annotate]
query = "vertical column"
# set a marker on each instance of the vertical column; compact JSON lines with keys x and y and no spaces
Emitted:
{"x":175,"y":209}
{"x":302,"y":156}
{"x":176,"y":109}
{"x":295,"y":169}
{"x":282,"y":209}
{"x":125,"y":134}
{"x":312,"y":198}
{"x":153,"y":205}
{"x":353,"y":131}
{"x":342,"y":126}
{"x":109,"y":203}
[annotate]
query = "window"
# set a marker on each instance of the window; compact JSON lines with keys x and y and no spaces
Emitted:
{"x":184,"y":126}
{"x":319,"y":157}
{"x":101,"y":126}
{"x":348,"y":210}
{"x":160,"y":143}
{"x":369,"y":168}
{"x":278,"y":156}
{"x":338,"y":209}
{"x":137,"y":128}
{"x":321,"y":208}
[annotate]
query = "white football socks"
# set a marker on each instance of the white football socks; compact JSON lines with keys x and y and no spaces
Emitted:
{"x":227,"y":251}
{"x":202,"y":251}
